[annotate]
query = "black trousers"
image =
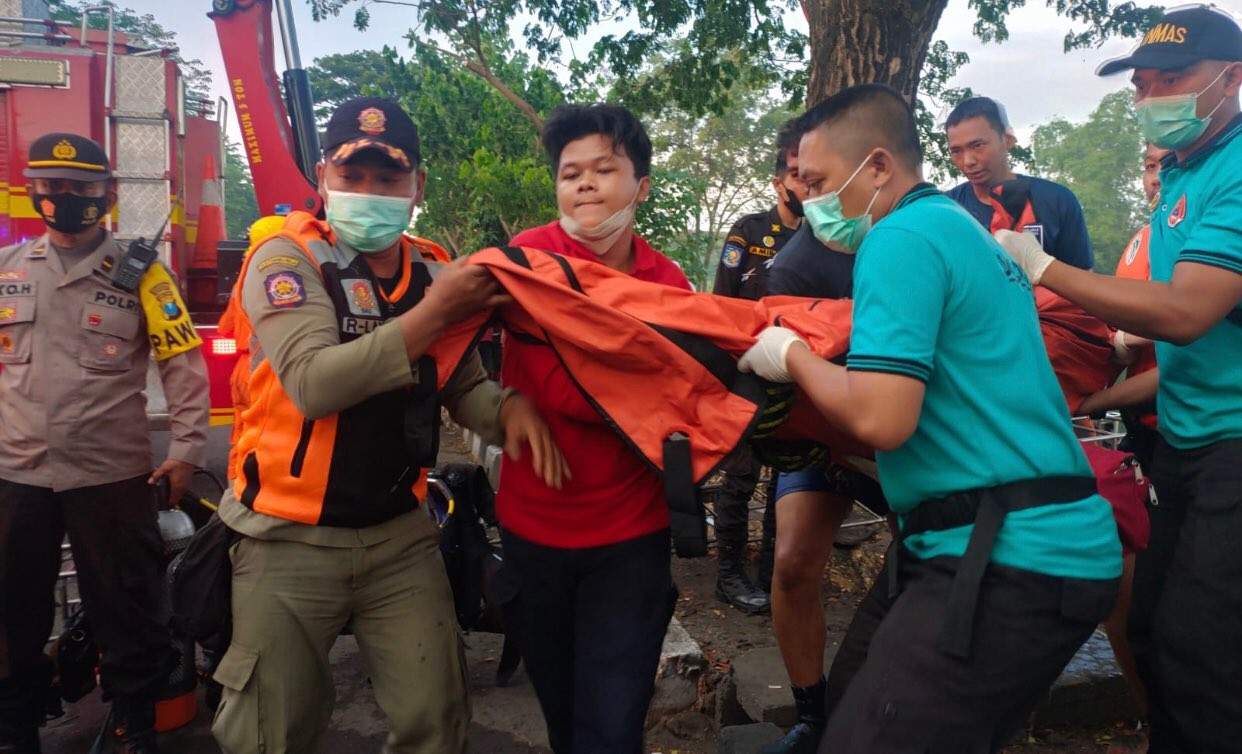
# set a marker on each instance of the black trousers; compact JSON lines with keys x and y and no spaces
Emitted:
{"x":591,"y":623}
{"x":908,"y":696}
{"x":732,"y":504}
{"x":1187,"y":628}
{"x":118,"y":553}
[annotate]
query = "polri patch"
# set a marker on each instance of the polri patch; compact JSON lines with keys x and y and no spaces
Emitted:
{"x":284,"y":290}
{"x":732,"y":255}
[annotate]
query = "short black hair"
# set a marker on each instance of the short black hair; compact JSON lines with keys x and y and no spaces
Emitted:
{"x":568,"y":123}
{"x":980,"y":107}
{"x":787,"y":138}
{"x":880,"y":117}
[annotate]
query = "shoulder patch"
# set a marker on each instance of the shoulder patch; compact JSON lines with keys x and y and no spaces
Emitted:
{"x":732,"y":255}
{"x":285,"y":261}
{"x":1036,"y":230}
{"x":285,"y":290}
{"x":1132,"y":252}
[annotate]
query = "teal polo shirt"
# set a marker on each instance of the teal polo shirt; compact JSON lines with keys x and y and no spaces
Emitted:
{"x":1199,"y":220}
{"x":938,"y":300}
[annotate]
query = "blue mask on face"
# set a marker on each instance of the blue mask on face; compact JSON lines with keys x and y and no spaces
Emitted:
{"x":366,"y":222}
{"x":828,"y":220}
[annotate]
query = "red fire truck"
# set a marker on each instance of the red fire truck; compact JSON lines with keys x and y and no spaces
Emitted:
{"x":164,"y":145}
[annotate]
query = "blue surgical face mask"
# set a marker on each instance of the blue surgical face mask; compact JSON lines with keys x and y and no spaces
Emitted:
{"x":1170,"y":122}
{"x":828,"y":220}
{"x":366,"y":222}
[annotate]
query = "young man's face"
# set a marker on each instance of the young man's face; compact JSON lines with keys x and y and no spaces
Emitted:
{"x":595,"y":180}
{"x":370,"y":173}
{"x":1151,"y":170}
{"x":979,"y":151}
{"x":825,"y":171}
{"x":792,"y":180}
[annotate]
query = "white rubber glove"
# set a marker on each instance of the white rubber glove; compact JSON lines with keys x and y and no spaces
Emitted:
{"x":766,"y":357}
{"x":1027,"y":252}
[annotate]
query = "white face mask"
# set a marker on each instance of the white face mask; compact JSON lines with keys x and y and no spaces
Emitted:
{"x":601,"y":238}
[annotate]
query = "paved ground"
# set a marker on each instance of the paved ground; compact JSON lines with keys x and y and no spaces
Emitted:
{"x":508,"y":720}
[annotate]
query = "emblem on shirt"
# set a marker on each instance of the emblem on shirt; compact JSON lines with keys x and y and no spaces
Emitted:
{"x":361,"y":296}
{"x":769,"y":241}
{"x":372,"y":121}
{"x":167,"y":299}
{"x":284,"y":290}
{"x":282,"y":261}
{"x":6,"y":343}
{"x":1132,"y":252}
{"x":775,"y":229}
{"x":1036,"y":230}
{"x":12,"y":274}
{"x":1178,"y":213}
{"x":94,"y":320}
{"x":732,"y":255}
{"x":8,"y":311}
{"x":111,"y":348}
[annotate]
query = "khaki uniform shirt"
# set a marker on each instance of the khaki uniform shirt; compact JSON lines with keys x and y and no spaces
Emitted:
{"x":323,"y":376}
{"x":74,"y":354}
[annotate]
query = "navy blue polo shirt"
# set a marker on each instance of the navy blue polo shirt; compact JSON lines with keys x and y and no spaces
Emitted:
{"x":1059,"y":222}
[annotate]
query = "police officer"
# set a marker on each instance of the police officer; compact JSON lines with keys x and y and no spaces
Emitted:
{"x":748,"y":253}
{"x":332,"y":456}
{"x":75,"y":453}
{"x":1187,"y":74}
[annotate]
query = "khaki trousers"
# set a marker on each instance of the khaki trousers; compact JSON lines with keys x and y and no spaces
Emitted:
{"x":291,"y":600}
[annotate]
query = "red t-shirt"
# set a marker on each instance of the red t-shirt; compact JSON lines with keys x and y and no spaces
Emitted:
{"x":614,"y":496}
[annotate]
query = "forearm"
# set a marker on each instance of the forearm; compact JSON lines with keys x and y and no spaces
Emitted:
{"x":1139,"y":390}
{"x":326,"y":380}
{"x":1174,"y":312}
{"x":474,"y":401}
{"x":188,"y":394}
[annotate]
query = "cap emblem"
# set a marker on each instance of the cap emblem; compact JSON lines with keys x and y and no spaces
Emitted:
{"x":64,"y":150}
{"x":372,"y":121}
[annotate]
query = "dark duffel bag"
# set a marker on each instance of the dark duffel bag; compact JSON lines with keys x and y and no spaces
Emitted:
{"x":200,"y":582}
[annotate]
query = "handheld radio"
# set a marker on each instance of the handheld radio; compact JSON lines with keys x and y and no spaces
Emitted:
{"x":138,"y":258}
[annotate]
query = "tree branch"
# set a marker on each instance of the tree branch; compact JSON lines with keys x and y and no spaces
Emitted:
{"x":486,"y":74}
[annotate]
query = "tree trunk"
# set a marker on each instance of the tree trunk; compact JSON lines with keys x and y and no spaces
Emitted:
{"x":869,"y":41}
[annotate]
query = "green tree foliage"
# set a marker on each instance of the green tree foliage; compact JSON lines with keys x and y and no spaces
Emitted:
{"x":143,"y":31}
{"x":1100,"y":161}
{"x":240,"y":206}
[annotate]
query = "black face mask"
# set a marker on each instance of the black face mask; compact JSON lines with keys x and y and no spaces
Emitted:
{"x":793,"y":203}
{"x":70,"y":213}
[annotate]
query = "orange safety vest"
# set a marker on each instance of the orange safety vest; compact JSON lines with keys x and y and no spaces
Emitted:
{"x":361,"y":466}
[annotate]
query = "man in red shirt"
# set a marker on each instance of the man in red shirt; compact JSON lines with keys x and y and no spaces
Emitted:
{"x":592,"y":558}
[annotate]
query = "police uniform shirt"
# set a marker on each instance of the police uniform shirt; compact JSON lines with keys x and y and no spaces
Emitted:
{"x":1060,"y":224}
{"x":938,"y":300}
{"x":748,"y":252}
{"x":74,"y":354}
{"x":1199,"y":219}
{"x":807,"y":268}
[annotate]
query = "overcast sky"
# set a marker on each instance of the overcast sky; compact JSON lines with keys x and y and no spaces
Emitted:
{"x":1028,"y":73}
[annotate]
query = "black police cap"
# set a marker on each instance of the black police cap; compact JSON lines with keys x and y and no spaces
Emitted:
{"x":68,"y":156}
{"x":1182,"y":38}
{"x":373,"y":123}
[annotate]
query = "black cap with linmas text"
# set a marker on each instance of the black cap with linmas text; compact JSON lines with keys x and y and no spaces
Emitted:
{"x":371,"y":123}
{"x":1182,"y":38}
{"x":67,"y":156}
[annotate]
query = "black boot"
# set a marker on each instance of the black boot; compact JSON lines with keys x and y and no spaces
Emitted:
{"x":804,"y":737}
{"x":133,"y":724}
{"x":732,"y":585}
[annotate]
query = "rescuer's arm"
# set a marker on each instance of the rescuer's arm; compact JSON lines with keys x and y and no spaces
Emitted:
{"x":1139,"y":390}
{"x":503,"y":417}
{"x":285,"y":300}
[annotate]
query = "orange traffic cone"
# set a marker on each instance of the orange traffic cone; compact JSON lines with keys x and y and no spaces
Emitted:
{"x":202,"y":275}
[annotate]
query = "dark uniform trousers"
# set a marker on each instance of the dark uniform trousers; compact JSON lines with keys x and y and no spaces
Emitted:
{"x":894,"y":690}
{"x":117,"y":550}
{"x":732,"y":506}
{"x":1190,"y":653}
